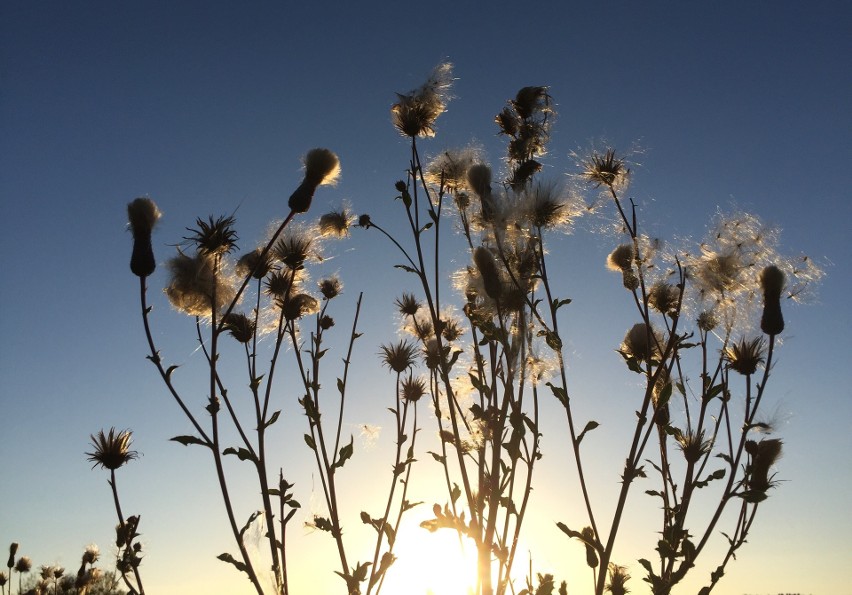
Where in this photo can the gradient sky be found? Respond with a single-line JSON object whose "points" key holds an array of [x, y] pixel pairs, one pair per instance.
{"points": [[208, 107]]}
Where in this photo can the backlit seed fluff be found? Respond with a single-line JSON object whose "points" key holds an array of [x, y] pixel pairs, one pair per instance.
{"points": [[252, 264], [330, 288], [336, 224], [321, 167], [663, 297], [479, 179], [142, 214], [620, 259], [24, 564], [772, 283], [414, 113], [91, 554]]}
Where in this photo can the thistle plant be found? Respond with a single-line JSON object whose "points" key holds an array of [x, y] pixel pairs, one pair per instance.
{"points": [[706, 323], [112, 451], [208, 282], [695, 314]]}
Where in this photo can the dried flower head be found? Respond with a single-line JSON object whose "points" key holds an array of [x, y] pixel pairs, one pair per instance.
{"points": [[407, 304], [414, 113], [214, 236], [336, 224], [618, 578], [293, 248], [640, 343], [764, 454], [321, 167], [279, 283], [413, 389], [399, 356], [24, 564], [745, 356], [297, 306], [663, 297], [693, 445], [330, 288], [112, 450], [255, 263], [195, 284], [364, 221], [707, 321], [4, 578], [605, 170], [240, 326]]}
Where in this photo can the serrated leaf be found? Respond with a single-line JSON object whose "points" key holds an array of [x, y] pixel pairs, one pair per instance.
{"points": [[250, 520], [455, 493], [559, 393], [345, 454], [187, 440], [310, 442], [340, 386], [226, 557], [425, 227], [717, 474], [440, 458], [664, 396], [589, 427], [242, 454]]}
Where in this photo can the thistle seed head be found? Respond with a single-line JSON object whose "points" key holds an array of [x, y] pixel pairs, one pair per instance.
{"points": [[336, 224], [414, 113], [142, 214]]}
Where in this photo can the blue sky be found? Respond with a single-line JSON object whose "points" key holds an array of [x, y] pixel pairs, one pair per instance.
{"points": [[207, 108]]}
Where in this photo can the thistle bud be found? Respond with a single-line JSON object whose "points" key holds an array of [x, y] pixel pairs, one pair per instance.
{"points": [[591, 556], [321, 167], [142, 215], [13, 549], [484, 261], [772, 283]]}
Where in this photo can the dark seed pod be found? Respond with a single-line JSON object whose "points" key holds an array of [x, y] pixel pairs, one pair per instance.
{"points": [[142, 262], [772, 282]]}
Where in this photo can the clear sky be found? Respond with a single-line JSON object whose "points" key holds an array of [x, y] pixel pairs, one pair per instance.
{"points": [[206, 107]]}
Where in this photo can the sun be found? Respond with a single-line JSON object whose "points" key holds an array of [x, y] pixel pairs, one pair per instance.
{"points": [[432, 564]]}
